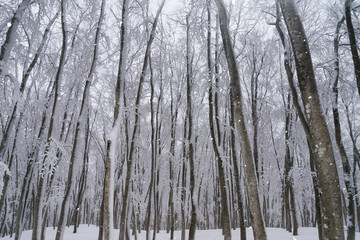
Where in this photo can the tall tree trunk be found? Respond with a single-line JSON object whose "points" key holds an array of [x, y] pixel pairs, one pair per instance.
{"points": [[136, 123], [249, 167], [174, 115], [153, 157], [83, 108], [183, 182], [190, 153], [226, 225], [112, 141], [344, 158], [290, 78], [57, 84], [287, 166], [324, 155]]}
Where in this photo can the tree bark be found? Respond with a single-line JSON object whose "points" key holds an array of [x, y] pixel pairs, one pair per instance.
{"points": [[290, 77], [249, 166], [189, 140], [226, 226], [236, 172], [324, 155]]}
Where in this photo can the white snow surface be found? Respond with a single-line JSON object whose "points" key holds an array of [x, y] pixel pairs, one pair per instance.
{"points": [[86, 232]]}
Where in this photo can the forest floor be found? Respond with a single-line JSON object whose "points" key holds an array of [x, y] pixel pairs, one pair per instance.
{"points": [[86, 232]]}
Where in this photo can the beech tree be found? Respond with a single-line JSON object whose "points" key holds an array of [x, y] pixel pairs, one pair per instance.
{"points": [[321, 142], [250, 175]]}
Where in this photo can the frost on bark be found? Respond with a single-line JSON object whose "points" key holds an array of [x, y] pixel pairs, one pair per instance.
{"points": [[83, 108], [11, 33], [249, 166], [125, 207], [37, 222], [107, 221], [324, 155]]}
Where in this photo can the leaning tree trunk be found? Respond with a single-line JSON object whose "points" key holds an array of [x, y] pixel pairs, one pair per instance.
{"points": [[224, 201], [290, 78], [249, 167], [321, 141]]}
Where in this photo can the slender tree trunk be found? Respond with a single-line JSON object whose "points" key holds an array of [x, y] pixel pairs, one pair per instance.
{"points": [[174, 114], [250, 173], [70, 179], [324, 155], [287, 167], [41, 186], [153, 156], [136, 123], [108, 198], [83, 177], [190, 153], [344, 158], [183, 182], [236, 172]]}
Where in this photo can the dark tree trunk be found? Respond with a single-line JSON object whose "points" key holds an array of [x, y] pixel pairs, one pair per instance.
{"points": [[189, 140]]}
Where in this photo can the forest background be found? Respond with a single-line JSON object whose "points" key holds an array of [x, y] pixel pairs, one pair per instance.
{"points": [[143, 115]]}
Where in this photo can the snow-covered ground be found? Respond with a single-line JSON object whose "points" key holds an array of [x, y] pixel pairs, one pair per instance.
{"points": [[91, 232]]}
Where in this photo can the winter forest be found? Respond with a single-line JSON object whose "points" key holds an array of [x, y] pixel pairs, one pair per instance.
{"points": [[141, 116]]}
